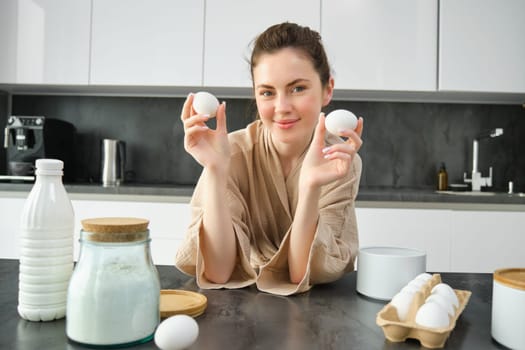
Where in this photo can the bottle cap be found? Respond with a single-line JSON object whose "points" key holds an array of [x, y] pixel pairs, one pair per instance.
{"points": [[49, 167]]}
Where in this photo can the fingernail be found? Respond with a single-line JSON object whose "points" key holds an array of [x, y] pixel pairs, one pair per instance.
{"points": [[326, 149]]}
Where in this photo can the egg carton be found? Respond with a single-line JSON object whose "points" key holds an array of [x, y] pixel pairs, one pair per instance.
{"points": [[398, 331]]}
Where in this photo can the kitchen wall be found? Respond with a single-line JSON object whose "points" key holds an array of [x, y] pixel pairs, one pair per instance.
{"points": [[404, 143]]}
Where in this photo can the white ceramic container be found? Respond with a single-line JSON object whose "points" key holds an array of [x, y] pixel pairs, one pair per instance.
{"points": [[508, 308], [383, 271]]}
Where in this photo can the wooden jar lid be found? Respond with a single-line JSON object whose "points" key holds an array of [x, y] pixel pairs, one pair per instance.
{"points": [[115, 229], [512, 277], [176, 302]]}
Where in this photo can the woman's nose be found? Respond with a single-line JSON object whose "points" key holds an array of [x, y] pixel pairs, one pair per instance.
{"points": [[282, 104]]}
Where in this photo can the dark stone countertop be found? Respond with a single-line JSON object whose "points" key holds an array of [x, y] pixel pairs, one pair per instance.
{"points": [[366, 194], [331, 316]]}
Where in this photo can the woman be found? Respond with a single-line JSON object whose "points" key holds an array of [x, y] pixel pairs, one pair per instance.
{"points": [[274, 205]]}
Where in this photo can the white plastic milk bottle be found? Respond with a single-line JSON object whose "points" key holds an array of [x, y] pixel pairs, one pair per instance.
{"points": [[46, 245]]}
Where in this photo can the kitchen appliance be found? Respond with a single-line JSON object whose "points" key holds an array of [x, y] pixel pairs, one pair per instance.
{"points": [[28, 138], [508, 307], [113, 162], [383, 271]]}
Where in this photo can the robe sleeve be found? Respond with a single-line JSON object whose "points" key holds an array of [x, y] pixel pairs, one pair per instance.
{"points": [[334, 247], [189, 257]]}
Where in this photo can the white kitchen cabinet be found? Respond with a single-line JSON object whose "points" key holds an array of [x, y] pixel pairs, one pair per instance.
{"points": [[44, 41], [481, 46], [231, 26], [10, 226], [156, 42], [168, 223], [486, 241], [381, 44], [428, 230]]}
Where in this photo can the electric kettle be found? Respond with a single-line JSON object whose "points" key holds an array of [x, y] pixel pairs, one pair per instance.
{"points": [[113, 162]]}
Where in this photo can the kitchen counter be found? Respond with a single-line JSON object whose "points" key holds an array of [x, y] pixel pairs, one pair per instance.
{"points": [[367, 197], [331, 316]]}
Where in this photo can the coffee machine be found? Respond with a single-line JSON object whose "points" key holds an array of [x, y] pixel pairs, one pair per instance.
{"points": [[28, 138]]}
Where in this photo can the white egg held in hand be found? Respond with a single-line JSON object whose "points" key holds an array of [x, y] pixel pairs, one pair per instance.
{"points": [[339, 120], [176, 333], [205, 103]]}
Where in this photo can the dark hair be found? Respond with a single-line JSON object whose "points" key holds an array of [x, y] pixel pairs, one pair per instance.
{"points": [[280, 36]]}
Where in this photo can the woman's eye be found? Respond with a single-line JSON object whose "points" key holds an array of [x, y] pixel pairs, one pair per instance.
{"points": [[266, 93], [298, 88]]}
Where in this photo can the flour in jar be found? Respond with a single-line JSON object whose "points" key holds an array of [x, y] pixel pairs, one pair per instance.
{"points": [[113, 302]]}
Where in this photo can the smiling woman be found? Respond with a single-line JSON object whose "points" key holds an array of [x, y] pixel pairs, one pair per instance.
{"points": [[274, 205]]}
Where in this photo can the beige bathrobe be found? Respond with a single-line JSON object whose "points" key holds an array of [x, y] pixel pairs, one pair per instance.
{"points": [[262, 204]]}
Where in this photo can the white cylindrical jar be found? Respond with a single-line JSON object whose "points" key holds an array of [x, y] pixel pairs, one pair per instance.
{"points": [[114, 293], [46, 245], [508, 308]]}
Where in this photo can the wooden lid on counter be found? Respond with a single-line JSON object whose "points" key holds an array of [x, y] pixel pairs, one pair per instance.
{"points": [[115, 229], [512, 277]]}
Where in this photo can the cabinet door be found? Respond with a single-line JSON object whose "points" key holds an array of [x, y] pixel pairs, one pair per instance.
{"points": [[486, 241], [44, 41], [231, 26], [424, 229], [381, 44], [156, 42], [10, 226], [167, 222], [481, 45]]}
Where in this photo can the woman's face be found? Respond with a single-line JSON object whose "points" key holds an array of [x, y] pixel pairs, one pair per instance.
{"points": [[289, 96]]}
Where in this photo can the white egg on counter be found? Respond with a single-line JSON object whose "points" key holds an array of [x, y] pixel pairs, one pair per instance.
{"points": [[176, 333], [446, 291], [416, 283], [443, 302], [425, 277], [432, 315], [402, 301], [205, 103], [340, 119]]}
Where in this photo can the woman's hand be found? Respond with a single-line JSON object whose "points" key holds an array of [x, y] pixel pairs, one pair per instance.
{"points": [[210, 148], [323, 165]]}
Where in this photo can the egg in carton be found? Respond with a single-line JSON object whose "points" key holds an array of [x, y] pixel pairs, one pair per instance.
{"points": [[421, 318]]}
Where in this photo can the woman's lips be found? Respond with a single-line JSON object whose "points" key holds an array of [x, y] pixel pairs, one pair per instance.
{"points": [[286, 123]]}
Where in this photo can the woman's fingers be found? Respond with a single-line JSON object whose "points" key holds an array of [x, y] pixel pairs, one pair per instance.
{"points": [[339, 150], [186, 107], [354, 136], [197, 119], [359, 128], [221, 118], [320, 130]]}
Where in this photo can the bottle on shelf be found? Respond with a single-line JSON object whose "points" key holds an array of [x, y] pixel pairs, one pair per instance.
{"points": [[442, 178], [46, 245]]}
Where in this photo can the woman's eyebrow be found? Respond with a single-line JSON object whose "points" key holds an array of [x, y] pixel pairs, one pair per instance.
{"points": [[300, 80], [293, 82]]}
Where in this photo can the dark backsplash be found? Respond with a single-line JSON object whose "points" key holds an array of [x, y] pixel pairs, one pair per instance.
{"points": [[404, 143]]}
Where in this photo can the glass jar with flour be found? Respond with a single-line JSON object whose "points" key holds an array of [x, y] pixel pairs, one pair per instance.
{"points": [[113, 296]]}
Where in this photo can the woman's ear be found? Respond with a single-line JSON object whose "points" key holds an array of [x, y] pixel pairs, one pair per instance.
{"points": [[328, 91]]}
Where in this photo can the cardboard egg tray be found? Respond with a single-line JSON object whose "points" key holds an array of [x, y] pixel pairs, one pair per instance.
{"points": [[397, 331]]}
